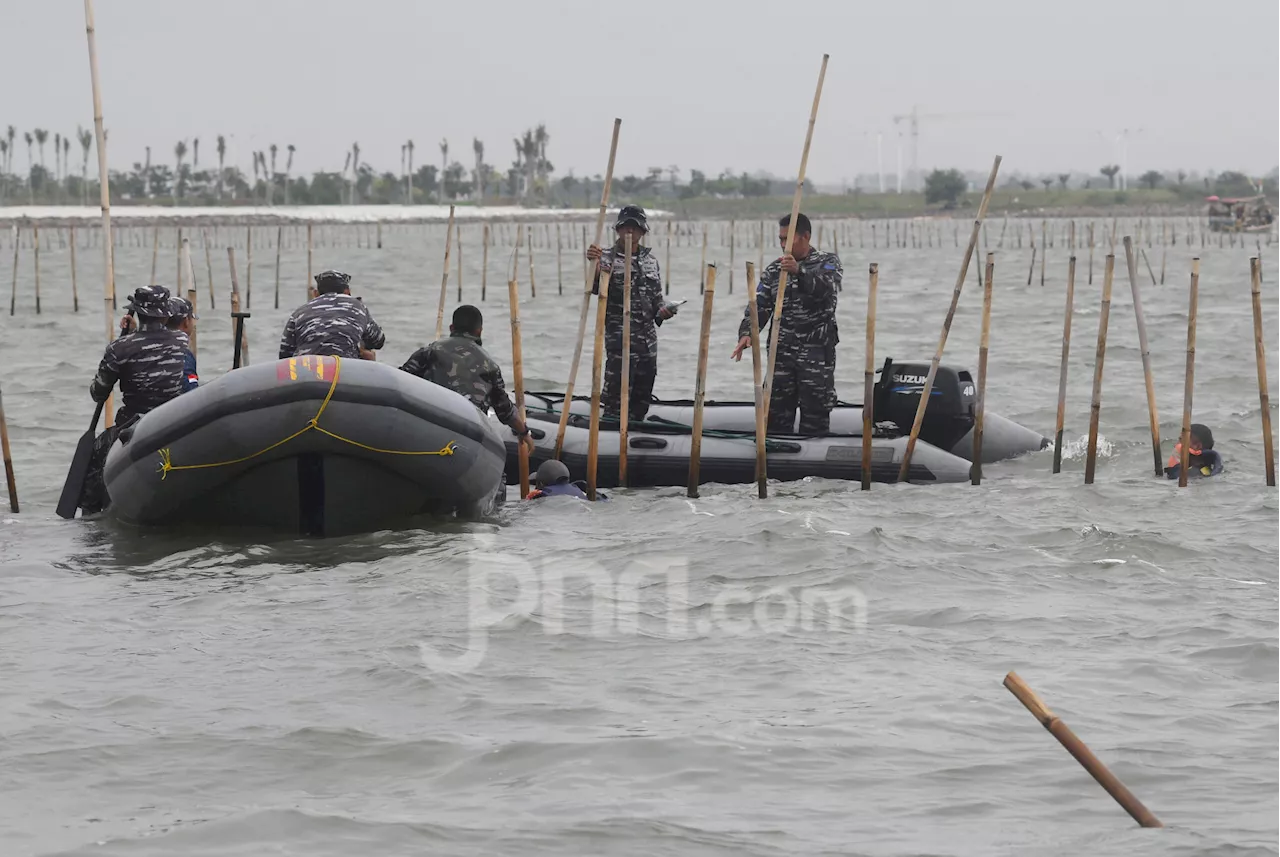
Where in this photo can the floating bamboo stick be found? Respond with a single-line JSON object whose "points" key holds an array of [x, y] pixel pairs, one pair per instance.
{"points": [[976, 470], [36, 230], [1095, 406], [75, 288], [1062, 372], [700, 383], [624, 406], [1190, 382], [444, 280], [589, 277], [279, 240], [235, 309], [775, 320], [8, 461], [1082, 753], [946, 325], [1131, 263], [762, 469], [517, 370], [869, 378], [104, 195], [1264, 394]]}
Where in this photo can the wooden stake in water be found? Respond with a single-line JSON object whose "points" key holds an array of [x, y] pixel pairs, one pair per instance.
{"points": [[458, 241], [1150, 272], [104, 195], [559, 264], [279, 240], [235, 309], [732, 241], [869, 378], [155, 252], [484, 262], [666, 288], [1264, 394], [757, 371], [1044, 252], [1031, 271], [36, 230], [184, 254], [13, 295], [597, 366], [444, 279], [975, 472], [1190, 382], [533, 284], [208, 264], [8, 461], [946, 325], [248, 269], [702, 266], [700, 383], [1146, 355], [75, 289], [624, 407], [1095, 406], [311, 284], [1062, 372], [517, 370]]}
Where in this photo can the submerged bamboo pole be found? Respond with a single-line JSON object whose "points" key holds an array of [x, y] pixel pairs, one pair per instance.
{"points": [[975, 472], [1264, 392], [624, 406], [1082, 753], [1062, 372], [104, 196], [753, 314], [869, 378], [1095, 406], [946, 325], [444, 279], [1131, 263], [1190, 383], [700, 383]]}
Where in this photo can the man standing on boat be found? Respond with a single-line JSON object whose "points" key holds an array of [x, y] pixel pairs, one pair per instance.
{"points": [[332, 324], [804, 374], [648, 310], [459, 363]]}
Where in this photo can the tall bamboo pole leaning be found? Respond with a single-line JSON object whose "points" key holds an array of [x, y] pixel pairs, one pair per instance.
{"points": [[775, 320], [975, 472], [1062, 372], [235, 308], [444, 279], [946, 325], [8, 461], [185, 256], [1095, 405], [279, 238], [1264, 393], [1190, 382], [104, 195], [869, 379], [589, 271], [75, 288], [517, 370], [700, 383], [1082, 753], [624, 406], [757, 371], [1132, 265], [36, 245]]}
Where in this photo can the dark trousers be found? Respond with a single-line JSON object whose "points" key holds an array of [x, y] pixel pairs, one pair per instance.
{"points": [[644, 371], [803, 378]]}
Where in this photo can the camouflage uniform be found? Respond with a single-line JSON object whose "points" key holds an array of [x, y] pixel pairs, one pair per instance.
{"points": [[804, 374], [460, 363], [333, 324], [646, 302]]}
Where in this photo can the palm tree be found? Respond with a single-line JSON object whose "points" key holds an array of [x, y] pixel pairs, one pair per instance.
{"points": [[444, 164], [346, 165], [66, 159], [478, 182], [519, 167], [541, 137], [179, 152], [271, 182], [355, 169], [146, 190], [57, 157], [10, 134], [195, 153], [409, 175], [255, 176], [530, 148], [86, 140], [222, 155], [41, 137], [31, 191], [288, 168], [1110, 172]]}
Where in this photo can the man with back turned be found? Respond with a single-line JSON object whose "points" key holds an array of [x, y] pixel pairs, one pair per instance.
{"points": [[332, 324], [804, 374]]}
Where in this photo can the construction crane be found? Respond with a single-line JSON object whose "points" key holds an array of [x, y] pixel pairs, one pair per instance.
{"points": [[915, 116]]}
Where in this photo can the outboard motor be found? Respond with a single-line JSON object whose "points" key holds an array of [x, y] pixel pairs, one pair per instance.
{"points": [[950, 414]]}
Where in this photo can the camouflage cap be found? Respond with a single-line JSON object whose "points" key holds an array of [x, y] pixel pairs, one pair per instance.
{"points": [[181, 308], [633, 215], [150, 302], [332, 281]]}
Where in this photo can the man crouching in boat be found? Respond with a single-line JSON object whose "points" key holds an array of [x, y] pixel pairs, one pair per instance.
{"points": [[1202, 459], [460, 363], [552, 480], [332, 324]]}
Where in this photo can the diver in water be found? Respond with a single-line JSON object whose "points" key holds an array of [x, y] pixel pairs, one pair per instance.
{"points": [[1202, 460], [552, 480]]}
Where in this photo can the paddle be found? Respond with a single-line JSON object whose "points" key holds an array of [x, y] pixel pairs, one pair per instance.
{"points": [[70, 499]]}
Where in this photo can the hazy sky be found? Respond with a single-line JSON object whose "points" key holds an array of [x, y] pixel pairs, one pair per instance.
{"points": [[697, 83]]}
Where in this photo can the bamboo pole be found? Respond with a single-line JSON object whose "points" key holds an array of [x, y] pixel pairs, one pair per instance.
{"points": [[869, 378], [1062, 372], [517, 370], [1082, 753], [1190, 382], [1044, 252], [208, 264], [700, 383], [75, 288], [775, 321], [946, 325], [248, 267], [484, 262], [1031, 271], [235, 308], [589, 276], [1095, 406], [1264, 393], [975, 472], [17, 245], [533, 284], [624, 405], [36, 232], [155, 252], [702, 266], [667, 270], [459, 268], [1131, 263], [753, 313], [311, 286], [279, 239], [559, 263], [1164, 252], [177, 258], [104, 196], [8, 461], [444, 279], [597, 365], [184, 255], [732, 242], [1091, 254]]}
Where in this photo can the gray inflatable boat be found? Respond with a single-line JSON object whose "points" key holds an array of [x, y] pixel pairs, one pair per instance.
{"points": [[313, 445]]}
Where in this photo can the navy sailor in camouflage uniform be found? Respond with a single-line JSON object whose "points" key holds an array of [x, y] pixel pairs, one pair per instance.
{"points": [[332, 324], [459, 363], [804, 374], [648, 310], [150, 366]]}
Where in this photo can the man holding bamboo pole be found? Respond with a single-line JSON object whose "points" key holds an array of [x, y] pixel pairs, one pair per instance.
{"points": [[648, 310], [805, 368]]}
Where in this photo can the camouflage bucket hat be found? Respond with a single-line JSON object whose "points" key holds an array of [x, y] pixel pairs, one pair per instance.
{"points": [[150, 302], [181, 308]]}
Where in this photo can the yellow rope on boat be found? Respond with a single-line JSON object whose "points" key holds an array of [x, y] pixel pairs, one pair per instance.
{"points": [[167, 465]]}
